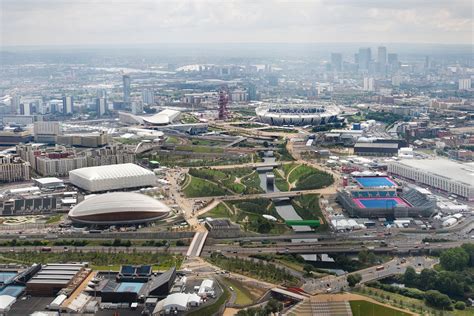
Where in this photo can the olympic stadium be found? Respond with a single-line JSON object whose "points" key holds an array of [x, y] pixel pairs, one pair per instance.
{"points": [[118, 208], [298, 114]]}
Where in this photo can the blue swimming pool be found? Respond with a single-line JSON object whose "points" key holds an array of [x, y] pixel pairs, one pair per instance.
{"points": [[373, 182], [6, 276], [133, 287], [380, 203], [12, 290]]}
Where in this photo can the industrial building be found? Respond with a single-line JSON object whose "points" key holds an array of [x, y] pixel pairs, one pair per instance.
{"points": [[441, 174], [112, 177], [91, 140], [377, 147], [118, 208], [53, 278], [49, 183], [298, 114]]}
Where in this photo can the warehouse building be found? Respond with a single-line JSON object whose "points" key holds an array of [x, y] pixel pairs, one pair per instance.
{"points": [[441, 174], [112, 177], [53, 278]]}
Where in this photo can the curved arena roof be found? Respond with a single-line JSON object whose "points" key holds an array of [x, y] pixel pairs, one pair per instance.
{"points": [[297, 113], [118, 208], [112, 177]]}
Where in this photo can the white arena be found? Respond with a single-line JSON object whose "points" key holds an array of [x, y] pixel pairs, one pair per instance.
{"points": [[297, 114], [112, 177], [118, 208]]}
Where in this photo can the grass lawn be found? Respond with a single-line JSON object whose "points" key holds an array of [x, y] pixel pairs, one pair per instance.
{"points": [[409, 302], [199, 149], [304, 177], [365, 308], [248, 213], [199, 187], [243, 295], [160, 261], [307, 206], [280, 183], [172, 140], [220, 211], [54, 219], [235, 181]]}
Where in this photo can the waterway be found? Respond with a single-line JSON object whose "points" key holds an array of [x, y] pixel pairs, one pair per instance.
{"points": [[283, 206]]}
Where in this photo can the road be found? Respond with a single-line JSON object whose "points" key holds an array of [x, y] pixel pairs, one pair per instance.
{"points": [[333, 284]]}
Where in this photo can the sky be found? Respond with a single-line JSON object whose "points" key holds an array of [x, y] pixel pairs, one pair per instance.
{"points": [[105, 22]]}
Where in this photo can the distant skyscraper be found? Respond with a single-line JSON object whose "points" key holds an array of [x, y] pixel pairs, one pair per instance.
{"points": [[465, 84], [15, 104], [252, 92], [126, 88], [392, 59], [148, 96], [101, 106], [369, 84], [137, 107], [26, 109], [365, 57], [68, 105], [382, 58], [336, 61]]}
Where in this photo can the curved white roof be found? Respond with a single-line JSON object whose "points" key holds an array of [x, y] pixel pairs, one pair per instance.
{"points": [[118, 202], [112, 177], [111, 171], [162, 118]]}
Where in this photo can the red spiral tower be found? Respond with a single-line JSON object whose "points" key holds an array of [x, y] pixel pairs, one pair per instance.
{"points": [[222, 102]]}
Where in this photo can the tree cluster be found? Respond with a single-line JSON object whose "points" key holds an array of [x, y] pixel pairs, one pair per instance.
{"points": [[261, 270]]}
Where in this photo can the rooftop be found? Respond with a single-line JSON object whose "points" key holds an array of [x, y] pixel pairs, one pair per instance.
{"points": [[444, 168]]}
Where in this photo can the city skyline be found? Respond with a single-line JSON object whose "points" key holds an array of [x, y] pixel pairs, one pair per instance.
{"points": [[116, 22]]}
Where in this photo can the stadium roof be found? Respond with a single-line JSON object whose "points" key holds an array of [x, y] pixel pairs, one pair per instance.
{"points": [[118, 202], [111, 171], [443, 167]]}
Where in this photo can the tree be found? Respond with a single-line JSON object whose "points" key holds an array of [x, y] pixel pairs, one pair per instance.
{"points": [[410, 278], [469, 248], [460, 305], [454, 259], [353, 279], [307, 268], [436, 299]]}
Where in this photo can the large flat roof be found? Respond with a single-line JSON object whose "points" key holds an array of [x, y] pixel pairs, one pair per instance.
{"points": [[444, 168]]}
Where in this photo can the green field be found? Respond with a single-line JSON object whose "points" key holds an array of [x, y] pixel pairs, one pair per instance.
{"points": [[301, 177], [209, 182], [199, 149], [220, 211], [248, 214], [280, 182], [365, 308], [307, 207], [198, 187], [243, 295], [160, 261]]}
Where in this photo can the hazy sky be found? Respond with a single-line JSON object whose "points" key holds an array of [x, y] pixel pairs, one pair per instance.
{"points": [[74, 22]]}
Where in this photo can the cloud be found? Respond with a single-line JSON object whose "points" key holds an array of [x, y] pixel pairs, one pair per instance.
{"points": [[73, 22]]}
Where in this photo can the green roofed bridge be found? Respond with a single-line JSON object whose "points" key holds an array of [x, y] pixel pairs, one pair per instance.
{"points": [[310, 223]]}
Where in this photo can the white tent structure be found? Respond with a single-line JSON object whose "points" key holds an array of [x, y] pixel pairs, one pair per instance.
{"points": [[6, 302]]}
